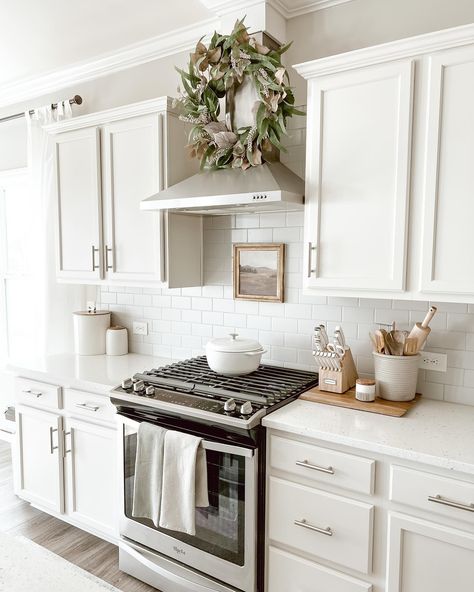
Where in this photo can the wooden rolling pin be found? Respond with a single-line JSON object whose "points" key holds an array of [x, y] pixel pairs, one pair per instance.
{"points": [[421, 331]]}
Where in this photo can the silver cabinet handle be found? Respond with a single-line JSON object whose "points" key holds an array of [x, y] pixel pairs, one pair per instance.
{"points": [[107, 265], [66, 450], [88, 406], [310, 259], [94, 250], [307, 465], [52, 448], [327, 531], [36, 394], [438, 499]]}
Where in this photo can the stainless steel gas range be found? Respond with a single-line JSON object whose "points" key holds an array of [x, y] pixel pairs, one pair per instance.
{"points": [[227, 552]]}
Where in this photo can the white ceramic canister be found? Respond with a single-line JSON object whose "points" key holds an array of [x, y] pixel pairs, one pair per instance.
{"points": [[89, 332], [232, 355], [116, 341], [396, 376], [365, 390]]}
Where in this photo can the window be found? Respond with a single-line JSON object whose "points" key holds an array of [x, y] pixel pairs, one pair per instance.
{"points": [[17, 250]]}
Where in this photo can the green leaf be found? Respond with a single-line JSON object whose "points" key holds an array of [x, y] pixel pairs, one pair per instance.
{"points": [[275, 141]]}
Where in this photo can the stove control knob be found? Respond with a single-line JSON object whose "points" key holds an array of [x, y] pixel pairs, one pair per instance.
{"points": [[139, 386], [127, 383], [230, 405], [150, 391], [246, 408]]}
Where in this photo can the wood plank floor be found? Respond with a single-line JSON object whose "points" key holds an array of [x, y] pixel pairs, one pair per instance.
{"points": [[81, 548]]}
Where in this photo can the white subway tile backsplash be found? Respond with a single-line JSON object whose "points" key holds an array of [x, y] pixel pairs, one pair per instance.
{"points": [[181, 321], [325, 312]]}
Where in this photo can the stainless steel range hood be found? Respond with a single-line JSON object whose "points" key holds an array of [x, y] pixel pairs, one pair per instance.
{"points": [[270, 187]]}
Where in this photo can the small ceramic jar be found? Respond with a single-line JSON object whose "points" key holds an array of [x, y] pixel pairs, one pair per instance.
{"points": [[365, 389]]}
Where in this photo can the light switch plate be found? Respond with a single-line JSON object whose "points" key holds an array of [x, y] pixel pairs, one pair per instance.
{"points": [[140, 328], [433, 361]]}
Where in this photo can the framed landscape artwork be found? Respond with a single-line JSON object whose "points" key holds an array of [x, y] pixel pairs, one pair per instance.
{"points": [[258, 271]]}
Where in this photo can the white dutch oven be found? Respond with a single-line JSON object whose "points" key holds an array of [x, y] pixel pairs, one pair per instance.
{"points": [[232, 355]]}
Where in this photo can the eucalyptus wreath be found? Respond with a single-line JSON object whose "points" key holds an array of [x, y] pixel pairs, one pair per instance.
{"points": [[221, 67]]}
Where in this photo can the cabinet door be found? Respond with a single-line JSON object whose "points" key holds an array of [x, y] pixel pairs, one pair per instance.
{"points": [[77, 160], [427, 556], [448, 240], [90, 475], [358, 161], [132, 171], [38, 458]]}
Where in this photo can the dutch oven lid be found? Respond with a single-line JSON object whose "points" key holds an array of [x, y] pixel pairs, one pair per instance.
{"points": [[234, 344]]}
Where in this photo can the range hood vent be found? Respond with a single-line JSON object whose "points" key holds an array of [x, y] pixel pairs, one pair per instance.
{"points": [[270, 187]]}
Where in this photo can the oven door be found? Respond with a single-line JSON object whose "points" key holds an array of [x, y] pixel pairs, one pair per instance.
{"points": [[224, 546]]}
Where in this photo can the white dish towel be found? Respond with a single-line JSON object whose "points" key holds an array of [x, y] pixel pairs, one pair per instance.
{"points": [[148, 472], [184, 482]]}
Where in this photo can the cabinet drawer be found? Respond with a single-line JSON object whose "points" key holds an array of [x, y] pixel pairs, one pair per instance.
{"points": [[322, 465], [441, 495], [287, 572], [84, 404], [37, 394], [320, 523]]}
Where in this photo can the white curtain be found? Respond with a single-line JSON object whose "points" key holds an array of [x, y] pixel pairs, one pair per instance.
{"points": [[53, 302]]}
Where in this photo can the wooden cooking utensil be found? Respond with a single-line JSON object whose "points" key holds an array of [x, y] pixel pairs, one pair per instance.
{"points": [[411, 347], [396, 342], [380, 339], [421, 331], [374, 342]]}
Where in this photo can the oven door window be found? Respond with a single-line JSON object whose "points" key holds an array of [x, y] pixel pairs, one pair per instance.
{"points": [[220, 527]]}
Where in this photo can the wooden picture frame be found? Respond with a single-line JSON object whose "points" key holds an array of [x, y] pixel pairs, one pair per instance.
{"points": [[258, 271]]}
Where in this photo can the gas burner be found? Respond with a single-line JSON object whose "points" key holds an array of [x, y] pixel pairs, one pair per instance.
{"points": [[194, 389]]}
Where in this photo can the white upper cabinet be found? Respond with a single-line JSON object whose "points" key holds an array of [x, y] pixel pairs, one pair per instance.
{"points": [[77, 158], [106, 164], [131, 165], [448, 241], [358, 177], [390, 178]]}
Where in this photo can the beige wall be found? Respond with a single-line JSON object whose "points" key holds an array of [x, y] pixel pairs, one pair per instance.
{"points": [[362, 23], [344, 27]]}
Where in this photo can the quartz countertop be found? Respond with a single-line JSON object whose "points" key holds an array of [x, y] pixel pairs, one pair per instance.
{"points": [[95, 373], [432, 432]]}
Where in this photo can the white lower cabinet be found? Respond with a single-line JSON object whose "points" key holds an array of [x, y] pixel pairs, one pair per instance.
{"points": [[426, 556], [38, 458], [90, 475], [65, 465], [411, 531]]}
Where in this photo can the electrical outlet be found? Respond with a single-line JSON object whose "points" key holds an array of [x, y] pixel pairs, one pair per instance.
{"points": [[432, 361], [140, 328]]}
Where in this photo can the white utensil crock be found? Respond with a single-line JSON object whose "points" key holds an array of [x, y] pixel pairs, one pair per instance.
{"points": [[396, 376], [89, 332], [232, 356], [116, 341]]}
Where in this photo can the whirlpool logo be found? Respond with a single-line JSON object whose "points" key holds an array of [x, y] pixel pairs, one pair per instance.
{"points": [[178, 550]]}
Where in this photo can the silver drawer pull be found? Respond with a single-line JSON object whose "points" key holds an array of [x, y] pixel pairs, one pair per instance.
{"points": [[438, 499], [36, 394], [327, 531], [66, 450], [307, 465], [88, 406]]}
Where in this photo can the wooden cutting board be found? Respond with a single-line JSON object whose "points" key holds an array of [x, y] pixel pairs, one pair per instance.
{"points": [[348, 400]]}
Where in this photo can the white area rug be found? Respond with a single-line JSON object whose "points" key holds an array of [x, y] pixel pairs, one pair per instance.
{"points": [[28, 567]]}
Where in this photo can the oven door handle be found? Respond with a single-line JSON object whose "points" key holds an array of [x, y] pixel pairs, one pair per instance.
{"points": [[206, 444]]}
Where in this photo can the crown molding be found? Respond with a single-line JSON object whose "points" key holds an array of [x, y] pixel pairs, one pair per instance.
{"points": [[290, 9], [386, 52], [287, 8], [130, 56], [158, 105]]}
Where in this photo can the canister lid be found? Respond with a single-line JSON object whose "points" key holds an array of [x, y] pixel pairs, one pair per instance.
{"points": [[87, 313], [366, 381]]}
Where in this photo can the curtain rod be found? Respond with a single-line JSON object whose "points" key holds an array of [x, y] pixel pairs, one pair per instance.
{"points": [[76, 100]]}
